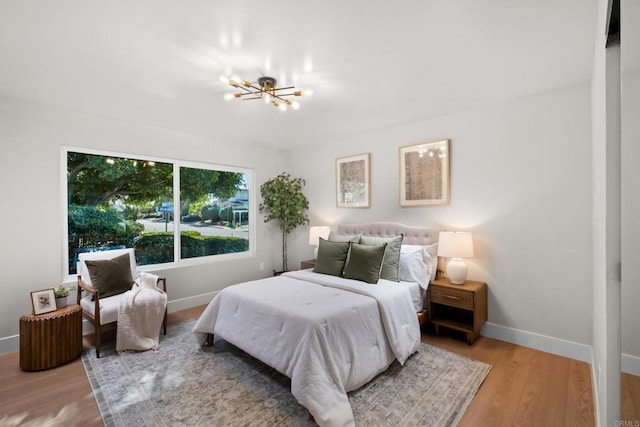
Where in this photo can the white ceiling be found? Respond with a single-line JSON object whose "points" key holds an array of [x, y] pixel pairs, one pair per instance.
{"points": [[371, 64]]}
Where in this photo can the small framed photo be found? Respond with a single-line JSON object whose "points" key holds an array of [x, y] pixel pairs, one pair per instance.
{"points": [[353, 181], [43, 301], [424, 174]]}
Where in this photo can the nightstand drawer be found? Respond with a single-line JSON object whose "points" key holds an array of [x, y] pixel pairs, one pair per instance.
{"points": [[451, 297]]}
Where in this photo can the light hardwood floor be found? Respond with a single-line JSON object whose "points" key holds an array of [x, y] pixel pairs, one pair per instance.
{"points": [[525, 387]]}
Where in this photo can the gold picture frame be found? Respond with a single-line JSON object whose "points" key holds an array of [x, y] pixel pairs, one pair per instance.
{"points": [[424, 174], [353, 181], [43, 301]]}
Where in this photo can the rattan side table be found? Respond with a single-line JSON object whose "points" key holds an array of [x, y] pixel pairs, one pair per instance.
{"points": [[51, 339]]}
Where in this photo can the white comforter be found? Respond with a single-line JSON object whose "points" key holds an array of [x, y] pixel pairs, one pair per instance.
{"points": [[329, 335]]}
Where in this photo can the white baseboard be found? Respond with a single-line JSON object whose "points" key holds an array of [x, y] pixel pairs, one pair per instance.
{"points": [[540, 342], [9, 344], [12, 343], [194, 301], [630, 364]]}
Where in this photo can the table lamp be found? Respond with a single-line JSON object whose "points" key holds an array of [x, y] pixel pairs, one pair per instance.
{"points": [[456, 245], [315, 233]]}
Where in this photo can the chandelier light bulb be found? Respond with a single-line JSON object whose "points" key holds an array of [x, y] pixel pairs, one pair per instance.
{"points": [[282, 107], [224, 79], [228, 96], [295, 105]]}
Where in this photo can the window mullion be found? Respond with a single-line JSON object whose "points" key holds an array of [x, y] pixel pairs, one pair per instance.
{"points": [[177, 244]]}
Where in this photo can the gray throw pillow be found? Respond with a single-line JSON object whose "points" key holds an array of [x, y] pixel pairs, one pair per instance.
{"points": [[331, 257], [365, 262], [391, 262], [110, 276], [334, 237]]}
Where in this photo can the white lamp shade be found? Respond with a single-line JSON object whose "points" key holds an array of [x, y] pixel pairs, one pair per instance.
{"points": [[455, 244], [316, 232]]}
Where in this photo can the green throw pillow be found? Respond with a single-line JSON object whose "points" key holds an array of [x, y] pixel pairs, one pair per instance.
{"points": [[331, 257], [110, 276], [365, 262], [391, 261]]}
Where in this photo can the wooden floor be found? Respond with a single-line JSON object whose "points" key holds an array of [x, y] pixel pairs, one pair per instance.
{"points": [[525, 387]]}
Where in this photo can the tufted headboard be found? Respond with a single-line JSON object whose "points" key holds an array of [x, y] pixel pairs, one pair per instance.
{"points": [[413, 235]]}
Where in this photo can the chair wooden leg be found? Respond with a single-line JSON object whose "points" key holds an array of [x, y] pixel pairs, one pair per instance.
{"points": [[209, 340], [96, 339], [164, 322]]}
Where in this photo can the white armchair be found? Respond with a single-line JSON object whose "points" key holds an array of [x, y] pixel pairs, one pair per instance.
{"points": [[102, 311]]}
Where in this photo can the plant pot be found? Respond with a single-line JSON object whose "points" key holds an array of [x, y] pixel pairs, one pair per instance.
{"points": [[61, 302]]}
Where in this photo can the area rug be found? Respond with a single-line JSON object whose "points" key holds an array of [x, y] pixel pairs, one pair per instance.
{"points": [[186, 384]]}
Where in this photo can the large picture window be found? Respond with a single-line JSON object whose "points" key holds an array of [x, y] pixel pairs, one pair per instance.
{"points": [[115, 201]]}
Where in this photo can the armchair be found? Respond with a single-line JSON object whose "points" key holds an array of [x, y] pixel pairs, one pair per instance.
{"points": [[102, 310]]}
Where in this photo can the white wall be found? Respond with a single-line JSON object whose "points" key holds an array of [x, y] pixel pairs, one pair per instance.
{"points": [[520, 181], [31, 217], [605, 100], [630, 220]]}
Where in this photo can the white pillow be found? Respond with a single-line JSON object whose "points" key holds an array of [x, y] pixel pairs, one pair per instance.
{"points": [[412, 265], [432, 260], [429, 254]]}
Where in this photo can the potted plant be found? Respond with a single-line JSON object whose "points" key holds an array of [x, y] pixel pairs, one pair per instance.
{"points": [[61, 293], [283, 201]]}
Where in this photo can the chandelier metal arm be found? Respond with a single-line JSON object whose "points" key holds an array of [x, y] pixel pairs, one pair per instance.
{"points": [[272, 91], [278, 97]]}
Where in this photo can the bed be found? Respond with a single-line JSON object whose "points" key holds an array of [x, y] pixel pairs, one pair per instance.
{"points": [[328, 333]]}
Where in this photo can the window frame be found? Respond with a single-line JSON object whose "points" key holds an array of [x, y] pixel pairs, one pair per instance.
{"points": [[177, 164]]}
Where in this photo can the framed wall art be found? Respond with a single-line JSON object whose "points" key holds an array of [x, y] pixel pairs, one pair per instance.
{"points": [[353, 181], [43, 301], [424, 174]]}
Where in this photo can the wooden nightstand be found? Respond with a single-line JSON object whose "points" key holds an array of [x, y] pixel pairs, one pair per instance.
{"points": [[460, 307], [310, 263]]}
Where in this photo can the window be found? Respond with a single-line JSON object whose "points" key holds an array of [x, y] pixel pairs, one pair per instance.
{"points": [[114, 201]]}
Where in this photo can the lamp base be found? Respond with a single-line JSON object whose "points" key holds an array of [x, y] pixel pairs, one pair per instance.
{"points": [[457, 271]]}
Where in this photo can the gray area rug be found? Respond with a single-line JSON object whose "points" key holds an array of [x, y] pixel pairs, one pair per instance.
{"points": [[186, 384]]}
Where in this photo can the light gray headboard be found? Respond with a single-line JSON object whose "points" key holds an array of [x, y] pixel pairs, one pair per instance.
{"points": [[413, 235]]}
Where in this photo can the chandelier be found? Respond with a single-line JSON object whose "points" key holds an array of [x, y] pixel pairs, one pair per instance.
{"points": [[266, 89]]}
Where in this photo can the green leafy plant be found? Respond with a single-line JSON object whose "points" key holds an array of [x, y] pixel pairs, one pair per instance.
{"points": [[63, 291], [283, 201]]}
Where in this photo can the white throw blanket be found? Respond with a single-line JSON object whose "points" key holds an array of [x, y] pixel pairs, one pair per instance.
{"points": [[140, 315]]}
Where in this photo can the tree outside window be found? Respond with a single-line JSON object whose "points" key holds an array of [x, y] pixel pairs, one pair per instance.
{"points": [[116, 202]]}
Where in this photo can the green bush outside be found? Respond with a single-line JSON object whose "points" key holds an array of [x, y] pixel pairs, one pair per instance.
{"points": [[157, 247], [91, 228], [154, 248]]}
